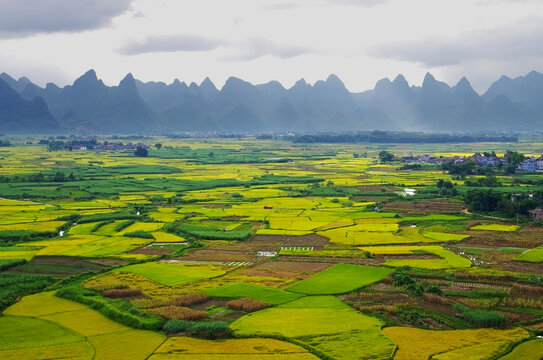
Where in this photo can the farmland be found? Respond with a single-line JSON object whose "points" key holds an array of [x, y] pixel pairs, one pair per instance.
{"points": [[259, 249]]}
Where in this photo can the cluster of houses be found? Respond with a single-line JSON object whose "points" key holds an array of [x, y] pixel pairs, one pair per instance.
{"points": [[531, 164], [110, 146]]}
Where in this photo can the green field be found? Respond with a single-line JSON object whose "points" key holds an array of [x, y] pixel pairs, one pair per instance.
{"points": [[534, 255], [240, 290], [339, 279], [174, 274]]}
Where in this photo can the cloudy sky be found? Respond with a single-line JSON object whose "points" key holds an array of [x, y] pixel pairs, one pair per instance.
{"points": [[361, 41]]}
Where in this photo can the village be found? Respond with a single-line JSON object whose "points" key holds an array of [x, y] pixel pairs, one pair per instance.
{"points": [[529, 164]]}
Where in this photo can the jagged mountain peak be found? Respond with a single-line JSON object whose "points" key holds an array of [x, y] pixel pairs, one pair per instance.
{"points": [[428, 79], [128, 84], [400, 81], [333, 79], [383, 84]]}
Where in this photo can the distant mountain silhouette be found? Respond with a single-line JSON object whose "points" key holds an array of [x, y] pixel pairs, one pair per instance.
{"points": [[18, 115], [239, 106]]}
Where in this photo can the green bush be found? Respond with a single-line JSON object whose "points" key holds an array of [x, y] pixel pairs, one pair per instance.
{"points": [[100, 224], [206, 329], [123, 225], [106, 217], [116, 310], [15, 286], [204, 232], [482, 318], [23, 235], [8, 264], [139, 234]]}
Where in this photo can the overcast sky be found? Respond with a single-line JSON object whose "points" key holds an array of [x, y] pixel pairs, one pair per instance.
{"points": [[361, 41]]}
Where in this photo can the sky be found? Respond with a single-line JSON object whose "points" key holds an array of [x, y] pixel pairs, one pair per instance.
{"points": [[361, 41]]}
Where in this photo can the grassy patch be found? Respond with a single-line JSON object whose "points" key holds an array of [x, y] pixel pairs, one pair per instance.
{"points": [[171, 274], [261, 293], [534, 255], [339, 279]]}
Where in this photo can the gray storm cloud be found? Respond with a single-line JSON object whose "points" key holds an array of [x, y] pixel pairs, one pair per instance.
{"points": [[506, 43], [21, 18]]}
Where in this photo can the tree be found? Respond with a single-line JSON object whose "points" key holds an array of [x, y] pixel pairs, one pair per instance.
{"points": [[158, 146], [141, 151], [59, 177], [514, 158], [446, 188], [386, 156]]}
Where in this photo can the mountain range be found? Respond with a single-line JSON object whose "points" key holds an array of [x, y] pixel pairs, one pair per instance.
{"points": [[90, 106]]}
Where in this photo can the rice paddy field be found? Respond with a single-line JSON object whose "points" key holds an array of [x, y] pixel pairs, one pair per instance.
{"points": [[266, 249]]}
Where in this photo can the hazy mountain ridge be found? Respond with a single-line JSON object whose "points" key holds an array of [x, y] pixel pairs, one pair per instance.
{"points": [[136, 106]]}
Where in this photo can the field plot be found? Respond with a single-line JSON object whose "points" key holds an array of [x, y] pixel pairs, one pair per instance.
{"points": [[480, 344], [318, 321], [240, 290], [339, 279], [56, 328], [529, 350], [292, 321], [90, 246], [170, 274], [258, 349], [534, 255], [495, 227], [448, 259]]}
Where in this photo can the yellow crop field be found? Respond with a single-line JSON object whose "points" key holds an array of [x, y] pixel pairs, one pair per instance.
{"points": [[100, 338], [300, 223], [161, 236], [282, 232], [186, 345], [140, 226], [495, 227], [421, 344]]}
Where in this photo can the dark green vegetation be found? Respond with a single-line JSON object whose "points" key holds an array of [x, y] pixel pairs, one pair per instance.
{"points": [[209, 330], [15, 286]]}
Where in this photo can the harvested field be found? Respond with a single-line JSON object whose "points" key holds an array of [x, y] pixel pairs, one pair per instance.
{"points": [[58, 266], [425, 207], [218, 255], [297, 266]]}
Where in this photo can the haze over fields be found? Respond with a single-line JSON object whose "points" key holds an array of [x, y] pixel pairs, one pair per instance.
{"points": [[89, 105]]}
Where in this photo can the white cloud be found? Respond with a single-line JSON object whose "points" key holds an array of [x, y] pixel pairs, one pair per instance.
{"points": [[171, 43]]}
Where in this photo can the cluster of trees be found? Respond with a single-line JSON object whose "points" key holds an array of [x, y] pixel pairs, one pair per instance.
{"points": [[489, 200], [57, 145], [142, 151], [446, 188], [487, 181], [4, 143], [386, 156], [59, 176], [400, 137]]}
